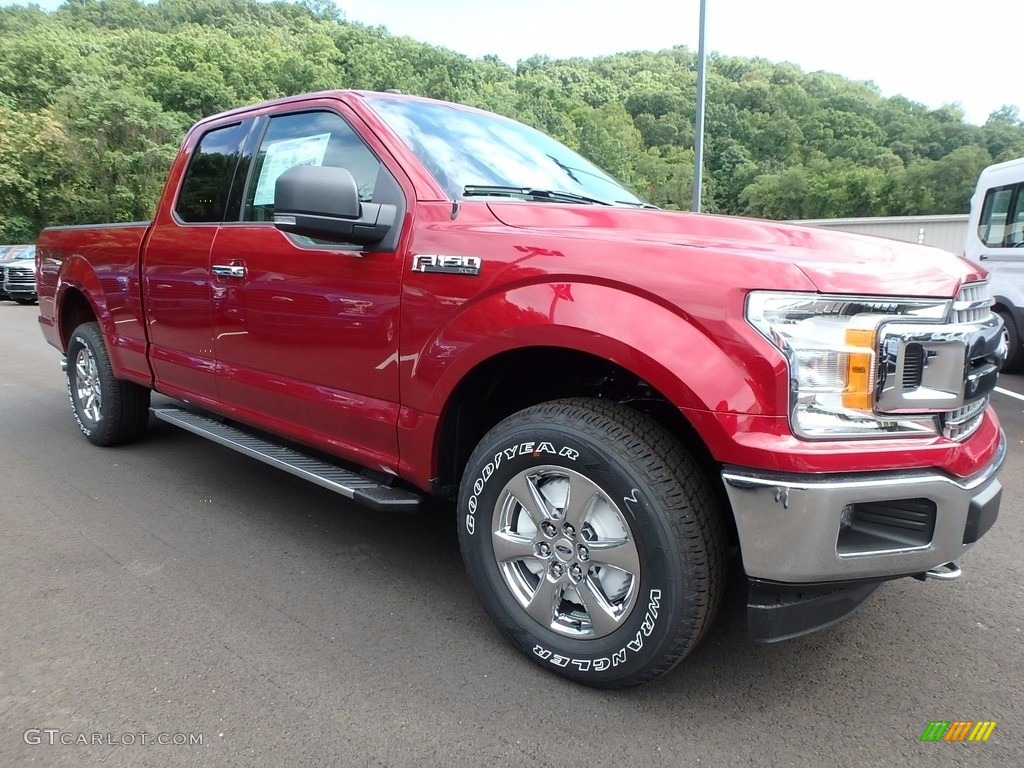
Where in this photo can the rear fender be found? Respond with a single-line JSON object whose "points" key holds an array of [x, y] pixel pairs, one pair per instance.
{"points": [[77, 274], [109, 301]]}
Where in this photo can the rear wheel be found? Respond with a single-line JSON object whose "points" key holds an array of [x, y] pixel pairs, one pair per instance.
{"points": [[108, 411], [1011, 337], [594, 540]]}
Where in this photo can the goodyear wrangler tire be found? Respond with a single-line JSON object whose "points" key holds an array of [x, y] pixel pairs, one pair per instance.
{"points": [[593, 539], [108, 411]]}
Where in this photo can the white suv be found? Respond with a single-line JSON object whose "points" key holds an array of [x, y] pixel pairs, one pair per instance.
{"points": [[995, 241]]}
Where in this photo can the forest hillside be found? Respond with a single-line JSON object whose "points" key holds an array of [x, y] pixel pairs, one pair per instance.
{"points": [[96, 96]]}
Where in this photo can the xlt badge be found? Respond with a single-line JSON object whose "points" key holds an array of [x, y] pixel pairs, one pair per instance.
{"points": [[449, 265]]}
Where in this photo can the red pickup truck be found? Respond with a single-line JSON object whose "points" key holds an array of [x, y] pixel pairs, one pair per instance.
{"points": [[396, 298]]}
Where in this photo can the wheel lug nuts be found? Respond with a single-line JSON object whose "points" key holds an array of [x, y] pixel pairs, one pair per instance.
{"points": [[568, 530], [543, 549], [557, 570], [584, 553], [575, 572], [548, 528]]}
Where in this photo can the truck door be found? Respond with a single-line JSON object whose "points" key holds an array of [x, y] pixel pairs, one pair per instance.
{"points": [[177, 284], [307, 332]]}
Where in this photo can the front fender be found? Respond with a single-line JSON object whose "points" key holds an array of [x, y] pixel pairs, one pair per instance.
{"points": [[704, 364]]}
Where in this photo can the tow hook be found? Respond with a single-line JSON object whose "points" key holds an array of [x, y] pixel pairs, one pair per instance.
{"points": [[946, 572]]}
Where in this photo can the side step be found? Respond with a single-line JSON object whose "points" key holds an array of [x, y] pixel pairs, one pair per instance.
{"points": [[349, 484]]}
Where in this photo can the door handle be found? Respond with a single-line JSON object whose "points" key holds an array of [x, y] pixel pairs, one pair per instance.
{"points": [[228, 270]]}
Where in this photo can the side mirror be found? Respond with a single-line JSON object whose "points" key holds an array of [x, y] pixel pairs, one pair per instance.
{"points": [[322, 202]]}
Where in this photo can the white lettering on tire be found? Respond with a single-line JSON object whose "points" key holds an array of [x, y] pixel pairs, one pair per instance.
{"points": [[523, 449], [619, 656]]}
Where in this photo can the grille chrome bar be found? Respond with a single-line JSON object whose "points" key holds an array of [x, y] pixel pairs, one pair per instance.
{"points": [[973, 303], [961, 423], [945, 369]]}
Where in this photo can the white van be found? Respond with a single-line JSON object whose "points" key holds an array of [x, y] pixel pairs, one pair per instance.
{"points": [[995, 240]]}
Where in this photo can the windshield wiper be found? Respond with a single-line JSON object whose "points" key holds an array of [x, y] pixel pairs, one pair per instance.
{"points": [[479, 190], [571, 173], [645, 206]]}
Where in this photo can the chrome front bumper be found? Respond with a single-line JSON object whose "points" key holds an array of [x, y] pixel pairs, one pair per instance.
{"points": [[806, 528]]}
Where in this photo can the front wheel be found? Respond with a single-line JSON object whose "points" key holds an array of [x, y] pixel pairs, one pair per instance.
{"points": [[593, 539], [109, 411]]}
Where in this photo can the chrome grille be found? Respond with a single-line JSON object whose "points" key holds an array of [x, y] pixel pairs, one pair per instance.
{"points": [[913, 366], [961, 423], [21, 276], [940, 372], [973, 303]]}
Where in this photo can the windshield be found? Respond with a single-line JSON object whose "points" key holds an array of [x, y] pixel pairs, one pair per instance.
{"points": [[17, 252], [462, 148]]}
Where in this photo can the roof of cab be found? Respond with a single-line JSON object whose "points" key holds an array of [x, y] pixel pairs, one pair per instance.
{"points": [[336, 93]]}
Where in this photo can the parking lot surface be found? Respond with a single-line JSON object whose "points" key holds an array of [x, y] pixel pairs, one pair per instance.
{"points": [[174, 591]]}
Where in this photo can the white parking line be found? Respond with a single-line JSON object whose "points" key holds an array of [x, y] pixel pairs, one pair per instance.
{"points": [[1008, 393]]}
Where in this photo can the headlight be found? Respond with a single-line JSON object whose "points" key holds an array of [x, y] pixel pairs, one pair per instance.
{"points": [[831, 344]]}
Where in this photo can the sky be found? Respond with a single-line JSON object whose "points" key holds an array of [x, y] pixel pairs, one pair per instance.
{"points": [[929, 51]]}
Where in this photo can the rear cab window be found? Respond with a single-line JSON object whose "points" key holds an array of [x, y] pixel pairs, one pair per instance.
{"points": [[206, 189]]}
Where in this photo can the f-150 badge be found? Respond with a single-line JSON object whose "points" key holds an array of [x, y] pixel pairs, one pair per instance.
{"points": [[449, 265]]}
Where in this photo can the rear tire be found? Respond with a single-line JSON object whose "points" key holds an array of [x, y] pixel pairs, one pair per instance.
{"points": [[593, 539], [108, 411], [1014, 353]]}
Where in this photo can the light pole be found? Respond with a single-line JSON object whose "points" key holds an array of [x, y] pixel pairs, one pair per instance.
{"points": [[698, 142]]}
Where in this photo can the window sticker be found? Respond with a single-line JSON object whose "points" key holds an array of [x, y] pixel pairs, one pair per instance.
{"points": [[285, 154]]}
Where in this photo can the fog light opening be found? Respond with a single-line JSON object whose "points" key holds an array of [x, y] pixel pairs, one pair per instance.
{"points": [[846, 518]]}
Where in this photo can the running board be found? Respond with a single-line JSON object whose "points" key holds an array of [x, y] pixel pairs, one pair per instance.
{"points": [[349, 484]]}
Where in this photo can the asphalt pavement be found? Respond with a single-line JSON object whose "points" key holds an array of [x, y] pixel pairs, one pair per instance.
{"points": [[172, 603]]}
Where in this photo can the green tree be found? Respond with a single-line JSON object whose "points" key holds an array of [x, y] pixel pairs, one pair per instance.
{"points": [[96, 97], [777, 196], [121, 144], [34, 167]]}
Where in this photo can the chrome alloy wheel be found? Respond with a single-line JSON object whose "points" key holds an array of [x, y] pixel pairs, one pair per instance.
{"points": [[87, 385], [565, 552]]}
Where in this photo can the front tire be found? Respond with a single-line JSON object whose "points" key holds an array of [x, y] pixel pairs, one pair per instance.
{"points": [[593, 539], [109, 411]]}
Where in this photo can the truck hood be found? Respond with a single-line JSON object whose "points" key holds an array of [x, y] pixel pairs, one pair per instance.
{"points": [[835, 262]]}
